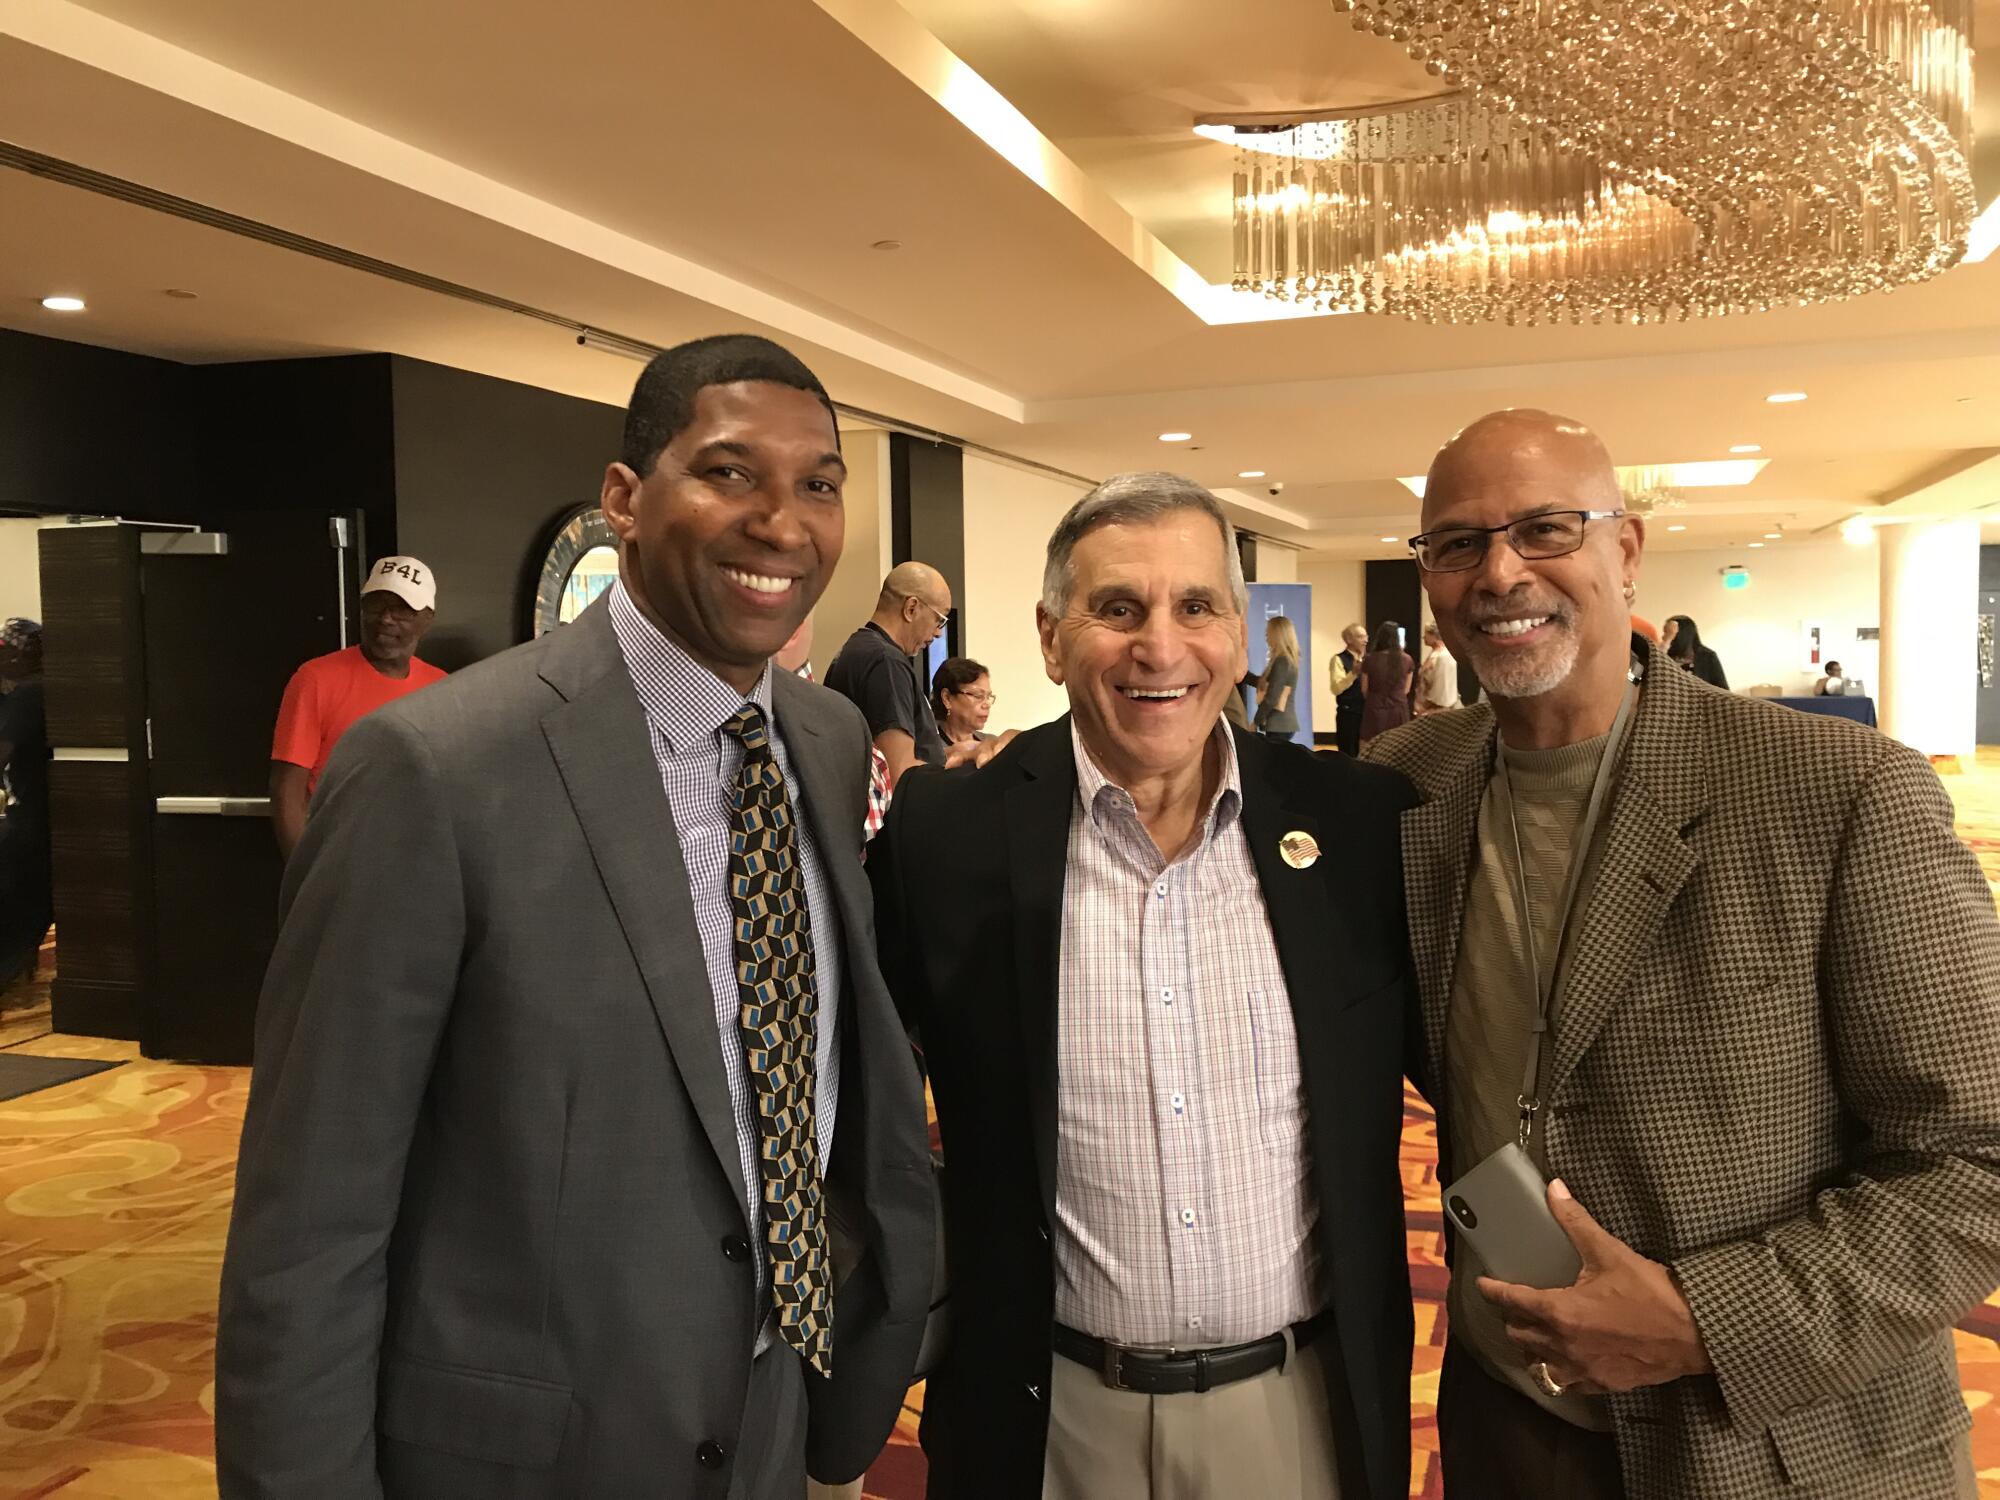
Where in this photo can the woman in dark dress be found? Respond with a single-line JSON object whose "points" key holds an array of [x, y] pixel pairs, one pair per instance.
{"points": [[25, 879], [1385, 682], [1683, 643]]}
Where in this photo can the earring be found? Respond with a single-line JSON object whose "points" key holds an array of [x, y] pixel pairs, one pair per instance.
{"points": [[1631, 590]]}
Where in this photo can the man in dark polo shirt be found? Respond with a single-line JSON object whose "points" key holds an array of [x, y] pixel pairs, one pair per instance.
{"points": [[875, 671]]}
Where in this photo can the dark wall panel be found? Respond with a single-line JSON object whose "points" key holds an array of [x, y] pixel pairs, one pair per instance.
{"points": [[310, 434], [927, 515], [89, 431], [1390, 591], [94, 666], [101, 883], [484, 468]]}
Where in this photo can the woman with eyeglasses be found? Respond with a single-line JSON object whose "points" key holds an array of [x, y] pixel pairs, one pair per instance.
{"points": [[962, 698]]}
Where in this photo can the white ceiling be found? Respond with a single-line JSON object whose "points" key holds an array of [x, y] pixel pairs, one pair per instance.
{"points": [[671, 169]]}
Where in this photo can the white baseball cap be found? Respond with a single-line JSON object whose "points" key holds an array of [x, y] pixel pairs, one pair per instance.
{"points": [[408, 578]]}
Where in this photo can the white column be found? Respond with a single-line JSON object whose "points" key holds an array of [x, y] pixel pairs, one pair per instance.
{"points": [[1930, 649]]}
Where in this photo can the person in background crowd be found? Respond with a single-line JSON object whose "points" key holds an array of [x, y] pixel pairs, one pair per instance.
{"points": [[1160, 973], [1276, 714], [1832, 684], [1683, 643], [795, 656], [876, 670], [1386, 674], [1748, 1026], [1344, 680], [328, 693], [574, 1052], [962, 700], [26, 879], [1437, 678]]}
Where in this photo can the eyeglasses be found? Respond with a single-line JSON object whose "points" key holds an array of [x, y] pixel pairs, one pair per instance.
{"points": [[943, 615], [987, 699], [1551, 533]]}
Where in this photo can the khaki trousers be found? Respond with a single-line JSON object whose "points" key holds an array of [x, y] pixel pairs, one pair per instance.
{"points": [[1270, 1436]]}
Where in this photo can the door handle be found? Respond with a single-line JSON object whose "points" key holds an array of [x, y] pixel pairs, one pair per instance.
{"points": [[215, 807]]}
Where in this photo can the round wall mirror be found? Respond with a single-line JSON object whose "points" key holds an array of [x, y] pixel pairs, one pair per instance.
{"points": [[578, 564]]}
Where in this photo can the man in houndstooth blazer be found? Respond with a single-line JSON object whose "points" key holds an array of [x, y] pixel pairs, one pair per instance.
{"points": [[1772, 1085]]}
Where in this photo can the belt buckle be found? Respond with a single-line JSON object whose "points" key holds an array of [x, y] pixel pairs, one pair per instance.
{"points": [[1114, 1378]]}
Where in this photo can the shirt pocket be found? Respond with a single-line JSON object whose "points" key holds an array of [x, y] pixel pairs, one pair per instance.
{"points": [[1274, 1061]]}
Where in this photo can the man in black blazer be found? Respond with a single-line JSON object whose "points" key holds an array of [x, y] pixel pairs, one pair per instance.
{"points": [[510, 1223], [1159, 972]]}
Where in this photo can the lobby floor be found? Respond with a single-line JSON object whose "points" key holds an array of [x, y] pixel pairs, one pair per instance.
{"points": [[114, 1201]]}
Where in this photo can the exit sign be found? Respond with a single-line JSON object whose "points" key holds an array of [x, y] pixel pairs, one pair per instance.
{"points": [[1736, 578]]}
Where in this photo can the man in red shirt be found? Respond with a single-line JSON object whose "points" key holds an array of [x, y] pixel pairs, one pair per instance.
{"points": [[328, 693]]}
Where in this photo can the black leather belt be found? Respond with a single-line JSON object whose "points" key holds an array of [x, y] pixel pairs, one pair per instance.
{"points": [[1177, 1372]]}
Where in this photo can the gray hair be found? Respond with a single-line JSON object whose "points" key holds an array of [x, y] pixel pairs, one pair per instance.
{"points": [[1134, 500]]}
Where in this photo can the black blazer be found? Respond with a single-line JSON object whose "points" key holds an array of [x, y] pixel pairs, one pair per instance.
{"points": [[968, 875]]}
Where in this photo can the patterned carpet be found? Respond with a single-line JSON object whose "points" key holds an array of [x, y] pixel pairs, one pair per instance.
{"points": [[114, 1200]]}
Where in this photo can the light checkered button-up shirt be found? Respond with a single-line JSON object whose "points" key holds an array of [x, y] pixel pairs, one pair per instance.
{"points": [[686, 706], [1184, 1210]]}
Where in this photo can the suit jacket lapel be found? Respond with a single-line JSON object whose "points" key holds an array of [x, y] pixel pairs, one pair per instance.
{"points": [[1644, 860], [604, 754], [1309, 928], [1038, 818], [1440, 837]]}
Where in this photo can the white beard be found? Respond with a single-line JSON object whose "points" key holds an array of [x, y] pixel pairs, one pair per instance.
{"points": [[1526, 674]]}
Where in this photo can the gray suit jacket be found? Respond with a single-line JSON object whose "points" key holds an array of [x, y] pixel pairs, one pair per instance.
{"points": [[1777, 1070], [489, 1227]]}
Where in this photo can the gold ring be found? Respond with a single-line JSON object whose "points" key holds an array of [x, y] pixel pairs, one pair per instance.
{"points": [[1545, 1380]]}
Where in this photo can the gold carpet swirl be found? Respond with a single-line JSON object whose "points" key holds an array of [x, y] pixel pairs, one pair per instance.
{"points": [[114, 1201]]}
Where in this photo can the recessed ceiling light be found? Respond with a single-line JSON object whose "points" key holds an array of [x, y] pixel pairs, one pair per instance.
{"points": [[1746, 448], [1175, 437], [63, 304], [1388, 539], [1677, 527], [182, 294], [1756, 544], [1774, 536], [1249, 473], [1785, 398]]}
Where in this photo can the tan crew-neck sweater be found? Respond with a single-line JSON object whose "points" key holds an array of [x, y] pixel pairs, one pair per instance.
{"points": [[1493, 1007]]}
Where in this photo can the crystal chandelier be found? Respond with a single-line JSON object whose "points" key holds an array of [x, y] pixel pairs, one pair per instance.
{"points": [[1632, 161]]}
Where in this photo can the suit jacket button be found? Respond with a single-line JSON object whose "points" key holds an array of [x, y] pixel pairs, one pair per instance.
{"points": [[709, 1455], [735, 1247]]}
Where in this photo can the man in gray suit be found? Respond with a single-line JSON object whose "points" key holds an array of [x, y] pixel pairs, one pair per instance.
{"points": [[1748, 1026], [575, 1075]]}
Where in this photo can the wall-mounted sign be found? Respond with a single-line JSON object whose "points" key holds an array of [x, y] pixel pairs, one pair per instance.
{"points": [[1735, 577], [578, 563]]}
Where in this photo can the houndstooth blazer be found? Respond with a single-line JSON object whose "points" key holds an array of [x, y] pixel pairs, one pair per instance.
{"points": [[1777, 1070]]}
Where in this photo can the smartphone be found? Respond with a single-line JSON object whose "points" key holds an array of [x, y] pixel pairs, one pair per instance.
{"points": [[1502, 1208]]}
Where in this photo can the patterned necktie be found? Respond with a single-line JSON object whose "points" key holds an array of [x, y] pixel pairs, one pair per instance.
{"points": [[774, 971]]}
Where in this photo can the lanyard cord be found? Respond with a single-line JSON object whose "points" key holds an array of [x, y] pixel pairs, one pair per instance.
{"points": [[1528, 1101]]}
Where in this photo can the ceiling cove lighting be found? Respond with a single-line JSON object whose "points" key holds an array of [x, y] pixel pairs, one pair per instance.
{"points": [[63, 304], [1638, 480], [1175, 437], [1785, 398]]}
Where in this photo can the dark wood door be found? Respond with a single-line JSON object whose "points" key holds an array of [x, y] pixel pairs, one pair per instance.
{"points": [[225, 629]]}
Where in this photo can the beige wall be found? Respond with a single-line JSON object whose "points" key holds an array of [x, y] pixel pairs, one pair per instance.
{"points": [[1337, 597], [1277, 564], [1009, 513], [850, 597], [1756, 630], [20, 568]]}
